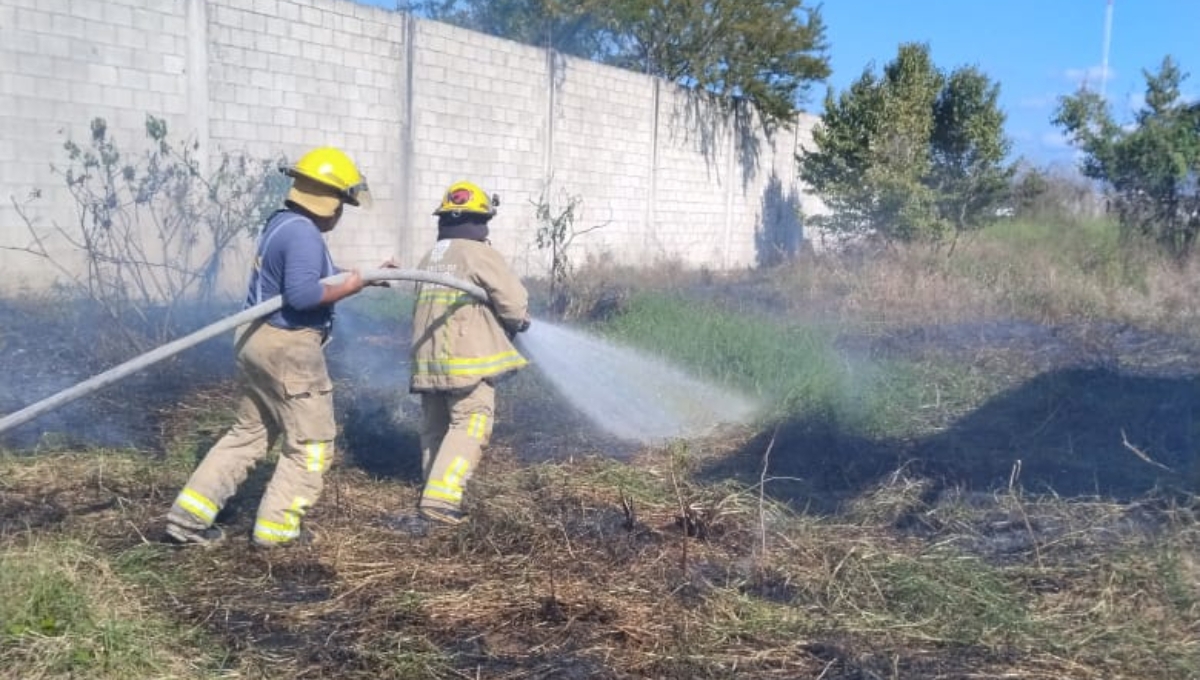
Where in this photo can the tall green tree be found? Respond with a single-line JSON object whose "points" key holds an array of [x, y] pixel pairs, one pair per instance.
{"points": [[912, 154], [1151, 168], [968, 150], [767, 53]]}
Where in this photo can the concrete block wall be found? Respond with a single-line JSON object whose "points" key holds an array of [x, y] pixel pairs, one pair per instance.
{"points": [[286, 76], [62, 63], [603, 153], [696, 177], [480, 112], [417, 104]]}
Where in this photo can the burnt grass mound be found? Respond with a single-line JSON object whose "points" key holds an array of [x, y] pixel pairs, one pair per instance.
{"points": [[569, 570]]}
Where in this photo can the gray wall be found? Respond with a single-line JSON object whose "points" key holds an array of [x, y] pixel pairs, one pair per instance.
{"points": [[417, 104]]}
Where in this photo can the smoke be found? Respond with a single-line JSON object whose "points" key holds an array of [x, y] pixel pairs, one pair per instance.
{"points": [[49, 346], [626, 395]]}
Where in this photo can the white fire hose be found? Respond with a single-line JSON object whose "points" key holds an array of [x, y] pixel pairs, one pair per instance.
{"points": [[247, 315]]}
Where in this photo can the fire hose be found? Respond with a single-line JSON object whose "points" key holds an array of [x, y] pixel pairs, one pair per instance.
{"points": [[247, 315]]}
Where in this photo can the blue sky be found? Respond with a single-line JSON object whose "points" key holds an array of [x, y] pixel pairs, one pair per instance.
{"points": [[1038, 50]]}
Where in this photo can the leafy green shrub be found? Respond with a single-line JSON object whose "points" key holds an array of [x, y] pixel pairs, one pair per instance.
{"points": [[152, 230]]}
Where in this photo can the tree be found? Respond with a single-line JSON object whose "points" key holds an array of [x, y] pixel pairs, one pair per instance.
{"points": [[1055, 194], [912, 154], [556, 232], [969, 173], [1151, 167], [764, 52]]}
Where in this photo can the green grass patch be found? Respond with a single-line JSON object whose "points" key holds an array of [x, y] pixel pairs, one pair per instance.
{"points": [[65, 613], [1092, 236], [1051, 266], [794, 365], [945, 597], [901, 399]]}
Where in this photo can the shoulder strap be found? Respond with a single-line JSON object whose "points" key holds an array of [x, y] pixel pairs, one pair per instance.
{"points": [[264, 241]]}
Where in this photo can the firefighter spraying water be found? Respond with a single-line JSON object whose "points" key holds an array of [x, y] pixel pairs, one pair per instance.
{"points": [[470, 309]]}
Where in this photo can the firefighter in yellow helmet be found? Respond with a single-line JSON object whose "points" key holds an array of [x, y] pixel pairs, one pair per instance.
{"points": [[287, 395], [460, 346]]}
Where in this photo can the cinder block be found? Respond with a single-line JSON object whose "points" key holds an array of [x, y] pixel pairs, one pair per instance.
{"points": [[269, 8], [245, 131], [174, 64], [133, 78], [288, 11], [255, 24], [119, 98], [66, 26], [268, 42], [238, 113], [267, 81], [147, 21], [312, 16], [166, 83], [35, 67], [256, 60], [302, 34], [175, 24], [150, 102], [119, 15], [32, 20], [293, 101], [103, 74]]}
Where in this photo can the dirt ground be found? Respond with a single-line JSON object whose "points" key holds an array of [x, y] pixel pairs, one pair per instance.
{"points": [[1127, 398], [1101, 410]]}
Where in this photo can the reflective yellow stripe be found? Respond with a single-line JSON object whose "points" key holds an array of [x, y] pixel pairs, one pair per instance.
{"points": [[449, 487], [471, 366], [477, 426], [447, 297], [457, 470], [435, 490], [316, 461], [276, 532], [199, 506]]}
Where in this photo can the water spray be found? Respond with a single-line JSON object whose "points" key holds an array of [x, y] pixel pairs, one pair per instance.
{"points": [[174, 347], [630, 395]]}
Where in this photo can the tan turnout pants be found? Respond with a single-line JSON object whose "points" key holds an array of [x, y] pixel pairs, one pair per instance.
{"points": [[455, 426], [287, 395]]}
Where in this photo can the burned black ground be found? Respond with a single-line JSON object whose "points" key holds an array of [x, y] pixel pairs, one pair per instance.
{"points": [[560, 576]]}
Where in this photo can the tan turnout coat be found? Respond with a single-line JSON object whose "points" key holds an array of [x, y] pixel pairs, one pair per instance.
{"points": [[457, 339]]}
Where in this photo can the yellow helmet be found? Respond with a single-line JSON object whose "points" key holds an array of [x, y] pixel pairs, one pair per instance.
{"points": [[466, 197], [333, 169]]}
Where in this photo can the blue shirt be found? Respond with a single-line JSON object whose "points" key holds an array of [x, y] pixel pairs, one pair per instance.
{"points": [[290, 260]]}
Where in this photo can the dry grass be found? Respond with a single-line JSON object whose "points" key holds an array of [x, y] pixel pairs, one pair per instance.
{"points": [[653, 567], [596, 568], [986, 277]]}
